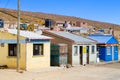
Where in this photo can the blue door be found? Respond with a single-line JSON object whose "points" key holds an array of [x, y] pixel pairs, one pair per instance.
{"points": [[115, 52]]}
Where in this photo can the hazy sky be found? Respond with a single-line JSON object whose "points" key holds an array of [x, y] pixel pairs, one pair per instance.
{"points": [[99, 10]]}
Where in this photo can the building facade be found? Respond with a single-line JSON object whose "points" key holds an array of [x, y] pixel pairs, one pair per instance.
{"points": [[107, 47], [34, 50], [80, 50]]}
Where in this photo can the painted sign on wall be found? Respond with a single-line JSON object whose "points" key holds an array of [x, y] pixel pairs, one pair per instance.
{"points": [[84, 50]]}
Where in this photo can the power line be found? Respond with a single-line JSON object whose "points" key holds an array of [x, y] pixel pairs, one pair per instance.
{"points": [[0, 3], [6, 3]]}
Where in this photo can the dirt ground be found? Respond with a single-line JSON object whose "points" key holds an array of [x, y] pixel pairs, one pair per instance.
{"points": [[109, 71]]}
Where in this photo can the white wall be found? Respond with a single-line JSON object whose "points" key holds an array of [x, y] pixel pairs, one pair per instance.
{"points": [[37, 62], [92, 56], [75, 58]]}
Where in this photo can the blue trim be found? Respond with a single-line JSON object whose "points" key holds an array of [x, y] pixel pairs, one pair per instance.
{"points": [[38, 41], [12, 41], [24, 41]]}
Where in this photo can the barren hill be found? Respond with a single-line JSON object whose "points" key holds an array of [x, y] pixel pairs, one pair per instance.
{"points": [[11, 15]]}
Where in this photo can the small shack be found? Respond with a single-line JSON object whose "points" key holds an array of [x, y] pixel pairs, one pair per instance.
{"points": [[80, 50], [34, 49], [107, 46]]}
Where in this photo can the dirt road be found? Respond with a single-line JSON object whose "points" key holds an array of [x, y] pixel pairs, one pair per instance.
{"points": [[89, 72]]}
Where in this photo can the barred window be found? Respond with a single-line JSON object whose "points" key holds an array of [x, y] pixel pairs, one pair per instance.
{"points": [[12, 48], [37, 49], [108, 51]]}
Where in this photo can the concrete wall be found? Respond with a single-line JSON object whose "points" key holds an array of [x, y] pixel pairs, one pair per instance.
{"points": [[36, 62], [92, 56], [10, 61], [75, 56], [5, 59], [27, 60]]}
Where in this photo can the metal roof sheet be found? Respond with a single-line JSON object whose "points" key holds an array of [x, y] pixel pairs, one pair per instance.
{"points": [[101, 38], [28, 34], [75, 38], [76, 28]]}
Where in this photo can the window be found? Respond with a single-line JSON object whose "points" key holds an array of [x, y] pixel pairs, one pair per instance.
{"points": [[98, 48], [75, 50], [12, 49], [108, 51], [87, 47], [93, 49], [37, 49]]}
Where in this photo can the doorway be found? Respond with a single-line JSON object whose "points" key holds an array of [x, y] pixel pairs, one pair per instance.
{"points": [[112, 53], [81, 54], [87, 47]]}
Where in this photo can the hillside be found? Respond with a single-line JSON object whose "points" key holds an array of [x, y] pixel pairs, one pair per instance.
{"points": [[37, 17]]}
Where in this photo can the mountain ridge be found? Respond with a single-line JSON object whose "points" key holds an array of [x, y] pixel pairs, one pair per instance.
{"points": [[11, 15]]}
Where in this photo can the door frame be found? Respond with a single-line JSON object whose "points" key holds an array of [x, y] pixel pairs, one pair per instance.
{"points": [[112, 53]]}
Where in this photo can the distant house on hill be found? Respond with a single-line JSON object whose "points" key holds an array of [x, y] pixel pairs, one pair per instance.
{"points": [[78, 29], [60, 23]]}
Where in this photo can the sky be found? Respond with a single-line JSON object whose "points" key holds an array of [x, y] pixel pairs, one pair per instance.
{"points": [[98, 10]]}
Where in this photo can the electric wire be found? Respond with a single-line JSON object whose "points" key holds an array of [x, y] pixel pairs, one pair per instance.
{"points": [[6, 4]]}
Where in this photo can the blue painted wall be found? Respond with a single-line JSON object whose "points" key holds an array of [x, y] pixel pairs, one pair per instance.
{"points": [[104, 54], [112, 41], [116, 53], [108, 57]]}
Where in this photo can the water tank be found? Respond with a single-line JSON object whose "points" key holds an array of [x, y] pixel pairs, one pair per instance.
{"points": [[101, 30], [48, 23], [1, 23], [23, 26]]}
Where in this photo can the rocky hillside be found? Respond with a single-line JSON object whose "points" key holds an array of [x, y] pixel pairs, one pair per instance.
{"points": [[38, 17]]}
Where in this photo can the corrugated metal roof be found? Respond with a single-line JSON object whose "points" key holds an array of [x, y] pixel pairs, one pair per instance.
{"points": [[101, 38], [28, 34], [76, 28], [75, 38]]}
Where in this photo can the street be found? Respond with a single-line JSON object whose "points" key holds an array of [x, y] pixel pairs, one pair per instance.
{"points": [[109, 71]]}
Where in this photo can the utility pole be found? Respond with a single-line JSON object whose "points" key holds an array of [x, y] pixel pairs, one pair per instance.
{"points": [[18, 37]]}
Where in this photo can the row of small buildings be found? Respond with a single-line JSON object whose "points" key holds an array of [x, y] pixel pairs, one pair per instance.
{"points": [[55, 48]]}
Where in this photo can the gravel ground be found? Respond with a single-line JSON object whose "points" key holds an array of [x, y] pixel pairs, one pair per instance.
{"points": [[109, 71]]}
